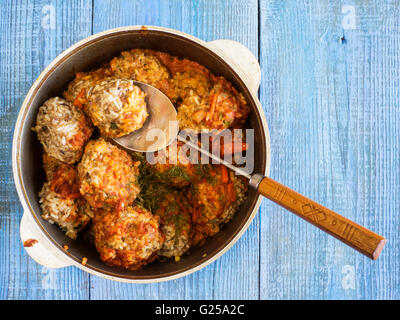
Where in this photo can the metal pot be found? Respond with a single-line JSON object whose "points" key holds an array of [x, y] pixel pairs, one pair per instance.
{"points": [[227, 58]]}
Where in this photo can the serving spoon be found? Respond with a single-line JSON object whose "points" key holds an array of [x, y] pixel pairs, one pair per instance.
{"points": [[162, 124]]}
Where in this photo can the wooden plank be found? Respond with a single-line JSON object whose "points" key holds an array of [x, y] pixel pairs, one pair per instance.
{"points": [[235, 275], [330, 94], [29, 41]]}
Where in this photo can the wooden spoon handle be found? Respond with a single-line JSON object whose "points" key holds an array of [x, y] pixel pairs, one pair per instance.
{"points": [[367, 242]]}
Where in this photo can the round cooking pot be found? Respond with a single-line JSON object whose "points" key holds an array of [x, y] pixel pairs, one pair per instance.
{"points": [[226, 58]]}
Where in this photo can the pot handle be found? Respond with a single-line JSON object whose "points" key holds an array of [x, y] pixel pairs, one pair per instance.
{"points": [[41, 251], [242, 59]]}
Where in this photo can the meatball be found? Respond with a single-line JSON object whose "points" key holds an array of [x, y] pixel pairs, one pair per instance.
{"points": [[137, 64], [192, 113], [79, 88], [129, 238], [175, 213], [68, 213], [227, 106], [62, 177], [189, 83], [60, 200], [216, 197], [172, 166], [62, 129], [107, 176], [222, 108], [117, 107]]}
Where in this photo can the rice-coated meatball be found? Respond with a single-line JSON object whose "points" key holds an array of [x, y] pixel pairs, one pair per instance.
{"points": [[175, 213], [129, 238], [190, 82], [216, 198], [186, 74], [67, 213], [62, 177], [62, 129], [79, 88], [117, 107], [227, 106], [190, 91], [222, 108], [107, 176], [60, 200], [192, 113], [137, 64]]}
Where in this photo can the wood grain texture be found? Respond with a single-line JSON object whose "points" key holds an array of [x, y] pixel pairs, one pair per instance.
{"points": [[331, 98], [354, 235]]}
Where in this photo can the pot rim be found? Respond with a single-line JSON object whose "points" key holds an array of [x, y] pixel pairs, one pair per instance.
{"points": [[16, 146]]}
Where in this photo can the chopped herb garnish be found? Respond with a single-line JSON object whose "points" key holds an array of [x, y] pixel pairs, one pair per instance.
{"points": [[178, 172]]}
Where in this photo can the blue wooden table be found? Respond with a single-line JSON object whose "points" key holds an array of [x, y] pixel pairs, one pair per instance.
{"points": [[331, 94]]}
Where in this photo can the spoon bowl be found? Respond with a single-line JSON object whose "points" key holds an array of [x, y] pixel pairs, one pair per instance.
{"points": [[161, 126]]}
